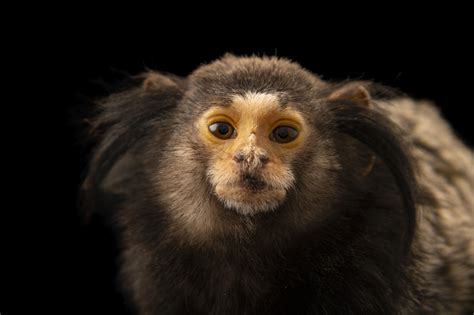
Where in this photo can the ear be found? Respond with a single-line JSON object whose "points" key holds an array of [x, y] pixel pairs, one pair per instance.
{"points": [[357, 93], [155, 81], [354, 92]]}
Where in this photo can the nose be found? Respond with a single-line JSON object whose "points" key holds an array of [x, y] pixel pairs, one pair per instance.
{"points": [[240, 157], [250, 156]]}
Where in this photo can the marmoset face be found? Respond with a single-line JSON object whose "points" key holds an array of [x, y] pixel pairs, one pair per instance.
{"points": [[252, 141]]}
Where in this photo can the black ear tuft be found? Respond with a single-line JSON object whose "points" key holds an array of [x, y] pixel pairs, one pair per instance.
{"points": [[384, 138], [121, 124]]}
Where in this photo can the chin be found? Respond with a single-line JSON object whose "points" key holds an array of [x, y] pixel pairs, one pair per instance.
{"points": [[247, 202]]}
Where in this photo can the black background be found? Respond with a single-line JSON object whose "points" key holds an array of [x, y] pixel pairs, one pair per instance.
{"points": [[51, 260]]}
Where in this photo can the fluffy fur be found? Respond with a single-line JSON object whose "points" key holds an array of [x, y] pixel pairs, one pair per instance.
{"points": [[377, 216]]}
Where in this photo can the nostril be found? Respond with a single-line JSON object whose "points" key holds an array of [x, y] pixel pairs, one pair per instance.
{"points": [[264, 159], [238, 157]]}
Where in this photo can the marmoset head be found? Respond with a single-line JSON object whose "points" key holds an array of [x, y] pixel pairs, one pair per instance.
{"points": [[249, 123], [248, 139]]}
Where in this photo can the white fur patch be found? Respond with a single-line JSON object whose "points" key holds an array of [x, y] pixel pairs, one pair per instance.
{"points": [[247, 208], [257, 98]]}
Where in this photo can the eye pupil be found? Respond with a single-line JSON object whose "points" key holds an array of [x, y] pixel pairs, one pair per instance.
{"points": [[284, 134], [223, 129]]}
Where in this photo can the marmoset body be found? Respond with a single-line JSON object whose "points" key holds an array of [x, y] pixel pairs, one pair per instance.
{"points": [[254, 187]]}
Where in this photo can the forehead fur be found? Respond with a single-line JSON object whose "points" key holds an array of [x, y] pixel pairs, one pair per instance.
{"points": [[262, 102], [239, 75]]}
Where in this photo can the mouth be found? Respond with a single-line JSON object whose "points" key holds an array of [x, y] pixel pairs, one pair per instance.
{"points": [[250, 195], [252, 183]]}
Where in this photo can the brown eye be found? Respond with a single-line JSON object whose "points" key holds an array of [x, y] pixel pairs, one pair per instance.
{"points": [[222, 130], [284, 134]]}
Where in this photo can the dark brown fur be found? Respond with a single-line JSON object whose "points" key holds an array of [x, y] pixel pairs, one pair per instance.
{"points": [[340, 243]]}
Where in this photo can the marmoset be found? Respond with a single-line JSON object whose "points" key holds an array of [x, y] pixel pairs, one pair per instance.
{"points": [[252, 186]]}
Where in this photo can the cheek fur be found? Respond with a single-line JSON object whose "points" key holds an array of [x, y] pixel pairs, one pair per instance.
{"points": [[279, 176], [222, 172]]}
